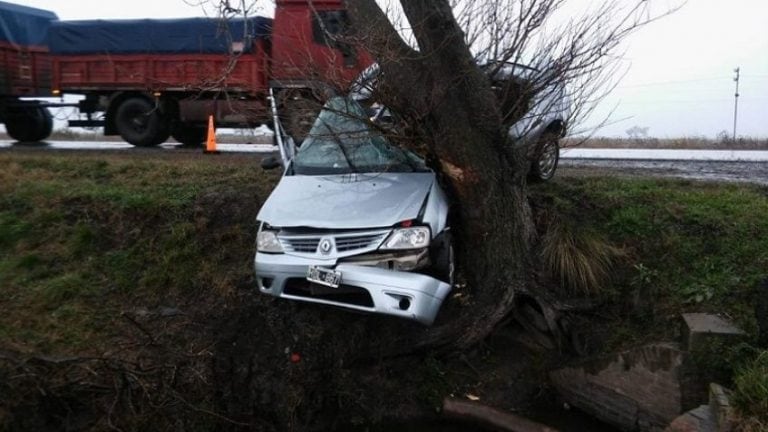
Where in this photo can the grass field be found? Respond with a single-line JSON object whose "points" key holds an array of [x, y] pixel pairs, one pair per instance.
{"points": [[695, 246], [84, 238], [88, 241], [698, 143]]}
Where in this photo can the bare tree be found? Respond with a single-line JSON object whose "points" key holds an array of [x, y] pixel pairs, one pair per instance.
{"points": [[433, 79]]}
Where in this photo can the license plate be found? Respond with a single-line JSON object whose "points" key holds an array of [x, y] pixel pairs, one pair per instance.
{"points": [[324, 276]]}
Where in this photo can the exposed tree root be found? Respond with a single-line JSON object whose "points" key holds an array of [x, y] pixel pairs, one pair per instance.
{"points": [[491, 417]]}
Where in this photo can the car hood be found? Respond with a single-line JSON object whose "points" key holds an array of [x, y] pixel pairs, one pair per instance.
{"points": [[346, 201]]}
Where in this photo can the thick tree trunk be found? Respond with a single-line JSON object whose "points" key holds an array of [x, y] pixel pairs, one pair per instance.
{"points": [[441, 87]]}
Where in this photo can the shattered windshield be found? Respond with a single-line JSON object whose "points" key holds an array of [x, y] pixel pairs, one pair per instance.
{"points": [[342, 142]]}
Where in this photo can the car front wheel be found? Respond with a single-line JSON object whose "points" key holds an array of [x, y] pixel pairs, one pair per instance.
{"points": [[545, 165]]}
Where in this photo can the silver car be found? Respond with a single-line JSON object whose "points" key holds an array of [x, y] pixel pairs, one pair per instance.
{"points": [[355, 222]]}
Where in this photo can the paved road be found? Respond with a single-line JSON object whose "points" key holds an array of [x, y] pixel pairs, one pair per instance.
{"points": [[120, 146], [738, 166], [745, 172], [666, 154]]}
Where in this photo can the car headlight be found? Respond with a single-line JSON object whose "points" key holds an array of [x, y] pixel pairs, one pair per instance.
{"points": [[408, 238], [267, 241]]}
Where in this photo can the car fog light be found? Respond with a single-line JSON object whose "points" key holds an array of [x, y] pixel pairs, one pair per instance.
{"points": [[405, 303]]}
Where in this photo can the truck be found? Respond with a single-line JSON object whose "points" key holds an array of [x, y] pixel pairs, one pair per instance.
{"points": [[151, 79], [25, 71]]}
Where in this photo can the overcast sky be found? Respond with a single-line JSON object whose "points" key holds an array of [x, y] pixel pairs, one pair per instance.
{"points": [[680, 69]]}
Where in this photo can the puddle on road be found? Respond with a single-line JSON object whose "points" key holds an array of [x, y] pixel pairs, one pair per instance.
{"points": [[665, 154], [122, 146]]}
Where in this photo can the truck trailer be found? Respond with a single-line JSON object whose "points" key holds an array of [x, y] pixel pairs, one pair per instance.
{"points": [[25, 71], [149, 79]]}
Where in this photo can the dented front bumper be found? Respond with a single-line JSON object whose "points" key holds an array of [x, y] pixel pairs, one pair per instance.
{"points": [[370, 289]]}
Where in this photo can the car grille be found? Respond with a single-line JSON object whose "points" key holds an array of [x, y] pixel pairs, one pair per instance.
{"points": [[345, 241], [300, 244], [355, 242], [346, 294]]}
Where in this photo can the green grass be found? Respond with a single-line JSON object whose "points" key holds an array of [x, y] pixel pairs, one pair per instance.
{"points": [[696, 246], [85, 238], [77, 232], [751, 393]]}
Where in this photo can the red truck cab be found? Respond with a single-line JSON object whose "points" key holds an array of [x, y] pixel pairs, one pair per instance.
{"points": [[307, 43]]}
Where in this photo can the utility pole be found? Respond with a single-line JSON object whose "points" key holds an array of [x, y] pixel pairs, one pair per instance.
{"points": [[736, 105]]}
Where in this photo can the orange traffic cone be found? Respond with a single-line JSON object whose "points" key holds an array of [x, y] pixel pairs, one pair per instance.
{"points": [[210, 145]]}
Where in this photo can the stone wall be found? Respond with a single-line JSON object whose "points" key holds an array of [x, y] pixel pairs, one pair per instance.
{"points": [[634, 390]]}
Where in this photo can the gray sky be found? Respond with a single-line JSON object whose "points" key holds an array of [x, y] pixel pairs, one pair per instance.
{"points": [[680, 69]]}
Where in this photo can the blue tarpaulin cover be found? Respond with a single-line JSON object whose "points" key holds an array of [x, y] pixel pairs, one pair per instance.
{"points": [[23, 25], [150, 36]]}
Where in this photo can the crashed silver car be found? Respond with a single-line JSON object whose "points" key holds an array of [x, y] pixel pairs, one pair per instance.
{"points": [[355, 222]]}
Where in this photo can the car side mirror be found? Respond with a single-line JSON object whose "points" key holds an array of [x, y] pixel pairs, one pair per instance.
{"points": [[270, 163]]}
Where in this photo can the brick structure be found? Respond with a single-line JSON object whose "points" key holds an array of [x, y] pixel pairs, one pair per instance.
{"points": [[717, 416], [646, 388], [636, 390]]}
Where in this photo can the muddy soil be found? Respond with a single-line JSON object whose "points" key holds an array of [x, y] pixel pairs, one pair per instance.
{"points": [[294, 366]]}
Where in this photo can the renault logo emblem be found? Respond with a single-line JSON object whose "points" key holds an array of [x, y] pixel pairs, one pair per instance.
{"points": [[325, 246]]}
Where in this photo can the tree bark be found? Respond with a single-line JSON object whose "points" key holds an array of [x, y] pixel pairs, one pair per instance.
{"points": [[440, 87]]}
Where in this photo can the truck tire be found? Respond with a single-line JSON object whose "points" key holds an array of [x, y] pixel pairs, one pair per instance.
{"points": [[162, 136], [190, 135], [140, 123], [29, 124], [544, 165]]}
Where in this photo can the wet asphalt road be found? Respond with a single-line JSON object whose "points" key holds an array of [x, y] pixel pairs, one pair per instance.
{"points": [[709, 170], [122, 147], [728, 171]]}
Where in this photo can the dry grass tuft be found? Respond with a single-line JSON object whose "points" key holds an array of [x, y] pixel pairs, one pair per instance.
{"points": [[581, 259], [751, 425]]}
